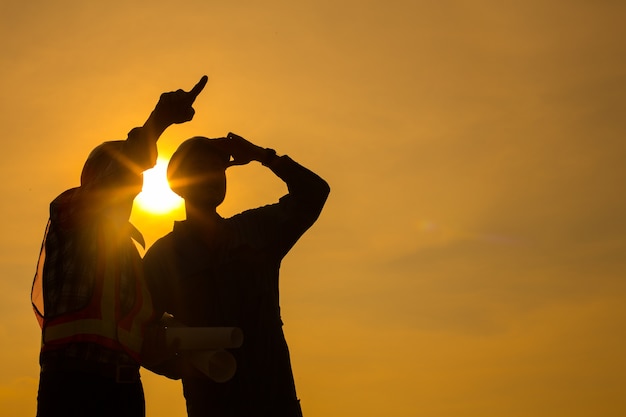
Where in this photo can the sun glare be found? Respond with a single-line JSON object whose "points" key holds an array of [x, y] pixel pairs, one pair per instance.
{"points": [[156, 195]]}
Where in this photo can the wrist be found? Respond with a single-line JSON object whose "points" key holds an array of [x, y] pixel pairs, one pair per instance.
{"points": [[268, 155], [156, 124]]}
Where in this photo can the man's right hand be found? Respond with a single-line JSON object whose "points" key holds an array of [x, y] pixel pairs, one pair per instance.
{"points": [[176, 106]]}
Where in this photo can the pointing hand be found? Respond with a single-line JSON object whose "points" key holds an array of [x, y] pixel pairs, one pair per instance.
{"points": [[176, 106]]}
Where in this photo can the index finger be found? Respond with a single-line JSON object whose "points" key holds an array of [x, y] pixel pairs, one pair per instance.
{"points": [[198, 87]]}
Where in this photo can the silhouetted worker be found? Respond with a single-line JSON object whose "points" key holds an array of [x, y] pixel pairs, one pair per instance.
{"points": [[214, 271], [88, 293]]}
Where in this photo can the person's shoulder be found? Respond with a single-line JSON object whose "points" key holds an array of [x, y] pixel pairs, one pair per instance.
{"points": [[68, 210], [65, 199], [159, 247], [167, 244]]}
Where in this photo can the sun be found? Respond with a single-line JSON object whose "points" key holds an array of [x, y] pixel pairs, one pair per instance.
{"points": [[156, 196]]}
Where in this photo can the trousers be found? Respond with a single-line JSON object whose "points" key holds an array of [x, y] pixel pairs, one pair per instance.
{"points": [[79, 394]]}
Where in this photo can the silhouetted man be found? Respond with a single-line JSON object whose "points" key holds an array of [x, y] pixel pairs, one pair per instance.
{"points": [[88, 292], [214, 271]]}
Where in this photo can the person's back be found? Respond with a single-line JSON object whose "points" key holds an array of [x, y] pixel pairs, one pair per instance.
{"points": [[88, 292], [89, 288]]}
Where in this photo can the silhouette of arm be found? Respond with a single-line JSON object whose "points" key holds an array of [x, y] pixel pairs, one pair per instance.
{"points": [[307, 191], [305, 187], [116, 166], [173, 107], [285, 222]]}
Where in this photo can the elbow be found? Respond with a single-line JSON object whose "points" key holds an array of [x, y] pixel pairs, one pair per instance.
{"points": [[322, 195], [325, 189]]}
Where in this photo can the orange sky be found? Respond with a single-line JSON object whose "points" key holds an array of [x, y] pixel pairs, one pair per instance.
{"points": [[470, 261]]}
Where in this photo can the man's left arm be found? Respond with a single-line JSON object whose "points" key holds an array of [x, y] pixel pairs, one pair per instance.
{"points": [[307, 189], [296, 212]]}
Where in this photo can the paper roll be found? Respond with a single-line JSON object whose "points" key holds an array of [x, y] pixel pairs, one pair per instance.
{"points": [[203, 338], [219, 365]]}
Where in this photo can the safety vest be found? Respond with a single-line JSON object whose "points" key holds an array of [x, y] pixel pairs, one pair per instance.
{"points": [[119, 306]]}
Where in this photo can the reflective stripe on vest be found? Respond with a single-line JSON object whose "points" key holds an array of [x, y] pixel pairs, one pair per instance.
{"points": [[100, 321]]}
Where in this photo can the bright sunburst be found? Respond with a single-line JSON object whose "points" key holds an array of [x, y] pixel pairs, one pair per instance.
{"points": [[156, 195]]}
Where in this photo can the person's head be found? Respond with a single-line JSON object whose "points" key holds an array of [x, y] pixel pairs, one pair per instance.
{"points": [[113, 192], [197, 171]]}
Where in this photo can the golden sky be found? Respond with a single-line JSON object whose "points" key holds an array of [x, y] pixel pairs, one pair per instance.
{"points": [[470, 261]]}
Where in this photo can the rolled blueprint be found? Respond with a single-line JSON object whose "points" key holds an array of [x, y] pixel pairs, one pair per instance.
{"points": [[204, 338], [219, 365]]}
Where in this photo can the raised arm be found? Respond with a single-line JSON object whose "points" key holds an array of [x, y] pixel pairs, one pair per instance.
{"points": [[173, 107], [111, 175], [307, 190]]}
